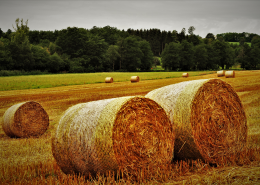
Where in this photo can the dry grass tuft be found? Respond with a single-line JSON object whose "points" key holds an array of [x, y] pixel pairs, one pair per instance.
{"points": [[26, 119]]}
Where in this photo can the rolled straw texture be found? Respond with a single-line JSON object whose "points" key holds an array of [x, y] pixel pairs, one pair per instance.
{"points": [[112, 134], [220, 73], [208, 116], [230, 74], [134, 79], [25, 119], [185, 74], [109, 80]]}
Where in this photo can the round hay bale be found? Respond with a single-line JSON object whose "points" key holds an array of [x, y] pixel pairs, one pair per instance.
{"points": [[25, 119], [109, 80], [230, 74], [134, 79], [220, 73], [112, 134], [185, 74], [210, 122]]}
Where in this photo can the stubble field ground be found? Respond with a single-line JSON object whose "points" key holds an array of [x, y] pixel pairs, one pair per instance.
{"points": [[30, 161]]}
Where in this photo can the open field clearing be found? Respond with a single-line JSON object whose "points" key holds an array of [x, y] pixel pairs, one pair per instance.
{"points": [[249, 43], [56, 80], [30, 161]]}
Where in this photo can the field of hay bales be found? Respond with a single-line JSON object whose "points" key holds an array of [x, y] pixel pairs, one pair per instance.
{"points": [[30, 160]]}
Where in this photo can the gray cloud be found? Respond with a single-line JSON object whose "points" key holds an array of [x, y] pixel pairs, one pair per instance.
{"points": [[206, 16]]}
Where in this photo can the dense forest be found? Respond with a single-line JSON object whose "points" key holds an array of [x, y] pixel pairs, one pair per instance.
{"points": [[107, 49]]}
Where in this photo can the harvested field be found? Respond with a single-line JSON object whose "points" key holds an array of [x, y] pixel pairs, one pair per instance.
{"points": [[30, 160]]}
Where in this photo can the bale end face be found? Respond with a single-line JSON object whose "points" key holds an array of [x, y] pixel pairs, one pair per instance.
{"points": [[218, 121], [143, 136], [27, 119]]}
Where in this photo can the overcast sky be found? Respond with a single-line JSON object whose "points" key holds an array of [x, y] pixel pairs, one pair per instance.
{"points": [[207, 16]]}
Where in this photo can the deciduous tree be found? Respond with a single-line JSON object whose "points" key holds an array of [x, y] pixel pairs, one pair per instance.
{"points": [[147, 58], [171, 56], [112, 55], [186, 54]]}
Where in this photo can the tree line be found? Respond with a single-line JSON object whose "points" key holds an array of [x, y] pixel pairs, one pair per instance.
{"points": [[109, 49]]}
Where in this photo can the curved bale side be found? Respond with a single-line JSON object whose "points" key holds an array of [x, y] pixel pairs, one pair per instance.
{"points": [[185, 74], [111, 134], [134, 79], [220, 73], [208, 116], [26, 119], [230, 74], [109, 80]]}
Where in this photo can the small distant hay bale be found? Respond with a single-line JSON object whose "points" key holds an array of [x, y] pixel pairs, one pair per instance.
{"points": [[112, 134], [109, 80], [26, 119], [134, 79], [230, 74], [208, 116], [185, 74], [220, 73]]}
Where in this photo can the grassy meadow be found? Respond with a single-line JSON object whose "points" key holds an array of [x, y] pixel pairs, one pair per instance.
{"points": [[30, 160], [57, 80], [249, 43]]}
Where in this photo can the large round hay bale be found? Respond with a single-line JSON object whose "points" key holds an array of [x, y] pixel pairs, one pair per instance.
{"points": [[134, 79], [230, 74], [220, 73], [25, 119], [109, 80], [108, 135], [185, 74], [208, 116]]}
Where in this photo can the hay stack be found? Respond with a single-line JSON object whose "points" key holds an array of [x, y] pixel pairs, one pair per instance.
{"points": [[208, 116], [134, 79], [220, 73], [109, 80], [185, 74], [111, 134], [25, 119], [230, 74]]}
